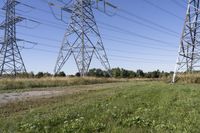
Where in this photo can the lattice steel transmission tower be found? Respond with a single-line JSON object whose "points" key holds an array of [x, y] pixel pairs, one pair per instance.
{"points": [[10, 58], [189, 51], [82, 39]]}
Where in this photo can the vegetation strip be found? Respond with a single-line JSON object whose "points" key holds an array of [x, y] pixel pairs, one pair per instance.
{"points": [[7, 85], [126, 107]]}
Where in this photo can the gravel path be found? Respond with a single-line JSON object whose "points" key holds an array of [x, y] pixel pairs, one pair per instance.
{"points": [[50, 92], [12, 97]]}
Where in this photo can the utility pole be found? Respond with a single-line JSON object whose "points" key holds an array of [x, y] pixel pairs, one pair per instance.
{"points": [[82, 39], [189, 51], [11, 62]]}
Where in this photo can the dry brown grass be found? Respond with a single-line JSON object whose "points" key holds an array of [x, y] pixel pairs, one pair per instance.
{"points": [[14, 84], [189, 78]]}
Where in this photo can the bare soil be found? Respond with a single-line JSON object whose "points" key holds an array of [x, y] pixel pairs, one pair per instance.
{"points": [[6, 98]]}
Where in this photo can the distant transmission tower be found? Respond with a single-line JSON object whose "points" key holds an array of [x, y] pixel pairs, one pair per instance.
{"points": [[10, 58], [82, 39], [189, 51]]}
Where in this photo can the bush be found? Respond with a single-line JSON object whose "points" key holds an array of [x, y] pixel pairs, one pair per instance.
{"points": [[60, 74], [39, 75]]}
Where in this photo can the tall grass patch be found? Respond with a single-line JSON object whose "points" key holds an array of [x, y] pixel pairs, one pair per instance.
{"points": [[15, 84], [189, 78]]}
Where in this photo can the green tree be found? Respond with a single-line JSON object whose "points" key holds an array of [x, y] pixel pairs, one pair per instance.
{"points": [[39, 75], [116, 72], [132, 74], [140, 73], [61, 74], [77, 74], [155, 74], [124, 73], [92, 72]]}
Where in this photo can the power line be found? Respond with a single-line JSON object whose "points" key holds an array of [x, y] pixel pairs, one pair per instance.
{"points": [[112, 59], [135, 34], [136, 52], [126, 57], [52, 24], [118, 30], [146, 20], [169, 32], [114, 28], [114, 50], [134, 21], [47, 22], [137, 45], [178, 4], [129, 57], [62, 28], [164, 28], [126, 18], [43, 22], [118, 41], [104, 36], [39, 9], [133, 61], [109, 25], [40, 37], [115, 40], [163, 10]]}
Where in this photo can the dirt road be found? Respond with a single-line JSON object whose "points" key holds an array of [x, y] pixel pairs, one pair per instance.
{"points": [[50, 92]]}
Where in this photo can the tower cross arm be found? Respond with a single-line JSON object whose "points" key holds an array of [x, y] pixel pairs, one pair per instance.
{"points": [[11, 21], [12, 3]]}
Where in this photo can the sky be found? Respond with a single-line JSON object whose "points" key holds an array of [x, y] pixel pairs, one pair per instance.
{"points": [[139, 34]]}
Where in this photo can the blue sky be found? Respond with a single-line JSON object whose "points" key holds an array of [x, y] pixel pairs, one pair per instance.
{"points": [[122, 35]]}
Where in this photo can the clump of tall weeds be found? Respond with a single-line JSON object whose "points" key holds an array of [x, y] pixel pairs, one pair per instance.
{"points": [[14, 84]]}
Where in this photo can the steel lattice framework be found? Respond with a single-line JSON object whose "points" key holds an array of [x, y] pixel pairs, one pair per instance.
{"points": [[10, 58], [189, 51], [82, 39]]}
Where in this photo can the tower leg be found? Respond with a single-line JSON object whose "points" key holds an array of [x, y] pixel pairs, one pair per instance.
{"points": [[189, 50]]}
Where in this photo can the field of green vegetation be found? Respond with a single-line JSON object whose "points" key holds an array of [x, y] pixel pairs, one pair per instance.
{"points": [[121, 107]]}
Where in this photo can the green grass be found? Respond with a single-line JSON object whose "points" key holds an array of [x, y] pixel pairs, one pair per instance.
{"points": [[122, 108]]}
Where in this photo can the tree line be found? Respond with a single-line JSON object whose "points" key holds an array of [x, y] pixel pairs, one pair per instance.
{"points": [[115, 73], [123, 73]]}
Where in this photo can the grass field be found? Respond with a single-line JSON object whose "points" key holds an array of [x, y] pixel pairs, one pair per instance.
{"points": [[123, 107]]}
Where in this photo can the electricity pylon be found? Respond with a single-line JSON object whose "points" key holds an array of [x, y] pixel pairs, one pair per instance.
{"points": [[189, 50], [82, 39], [10, 58]]}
